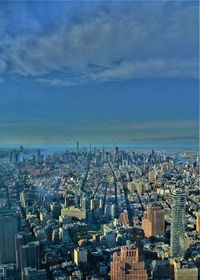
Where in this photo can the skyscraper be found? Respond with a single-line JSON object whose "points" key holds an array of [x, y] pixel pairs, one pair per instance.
{"points": [[30, 255], [77, 147], [21, 239], [80, 256], [8, 229], [153, 222], [178, 224], [128, 265]]}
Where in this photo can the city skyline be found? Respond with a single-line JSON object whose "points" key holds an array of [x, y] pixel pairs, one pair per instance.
{"points": [[99, 140], [99, 72]]}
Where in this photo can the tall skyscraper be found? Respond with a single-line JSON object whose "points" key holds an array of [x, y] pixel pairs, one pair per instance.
{"points": [[128, 265], [77, 147], [30, 255], [178, 224], [21, 239], [153, 222], [8, 229]]}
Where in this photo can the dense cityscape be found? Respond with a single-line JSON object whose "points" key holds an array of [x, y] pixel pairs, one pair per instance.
{"points": [[99, 213], [99, 140]]}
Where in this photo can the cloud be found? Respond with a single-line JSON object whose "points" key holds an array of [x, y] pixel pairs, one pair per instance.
{"points": [[119, 41], [56, 82], [151, 125], [172, 68]]}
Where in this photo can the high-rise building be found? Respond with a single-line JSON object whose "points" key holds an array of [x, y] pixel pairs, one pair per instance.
{"points": [[64, 234], [80, 256], [30, 255], [21, 239], [113, 211], [77, 147], [123, 218], [153, 222], [8, 229], [34, 274], [94, 203], [140, 187], [128, 265], [185, 270], [85, 203], [198, 222], [178, 224]]}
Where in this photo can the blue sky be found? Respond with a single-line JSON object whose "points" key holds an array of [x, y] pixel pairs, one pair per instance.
{"points": [[98, 71]]}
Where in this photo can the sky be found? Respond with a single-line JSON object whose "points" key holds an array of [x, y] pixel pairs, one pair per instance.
{"points": [[99, 71]]}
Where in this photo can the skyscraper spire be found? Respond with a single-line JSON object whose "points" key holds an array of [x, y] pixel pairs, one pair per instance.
{"points": [[77, 147]]}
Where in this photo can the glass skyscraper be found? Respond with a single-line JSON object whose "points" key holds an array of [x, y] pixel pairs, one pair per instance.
{"points": [[178, 224]]}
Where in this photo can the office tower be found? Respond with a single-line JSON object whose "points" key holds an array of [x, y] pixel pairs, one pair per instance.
{"points": [[127, 265], [21, 154], [178, 224], [94, 203], [113, 211], [64, 234], [140, 187], [34, 274], [30, 255], [21, 239], [131, 186], [38, 156], [94, 207], [26, 198], [107, 211], [85, 203], [198, 222], [153, 222], [8, 229], [14, 157], [55, 234], [103, 154], [80, 256], [77, 147], [185, 270]]}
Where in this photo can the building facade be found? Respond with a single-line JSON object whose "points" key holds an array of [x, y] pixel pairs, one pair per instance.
{"points": [[8, 230], [178, 224], [153, 222], [128, 265], [185, 270]]}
